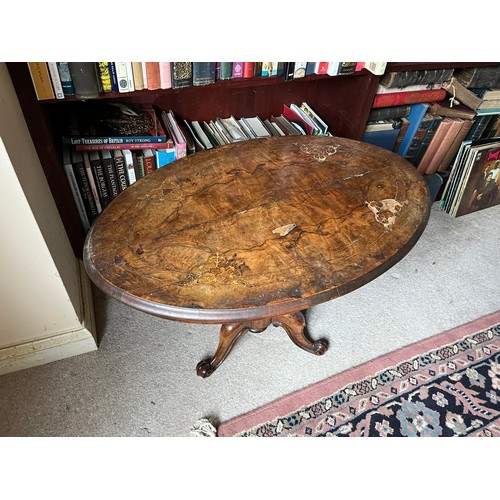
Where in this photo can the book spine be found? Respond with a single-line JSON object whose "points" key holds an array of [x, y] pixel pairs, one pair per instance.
{"points": [[165, 75], [447, 160], [112, 147], [41, 80], [182, 74], [129, 166], [226, 70], [114, 77], [113, 141], [389, 113], [100, 179], [130, 75], [121, 172], [203, 73], [65, 76], [105, 76], [138, 76], [153, 75], [122, 76], [400, 98], [237, 70], [92, 180], [84, 185], [110, 175], [149, 163], [321, 68], [248, 69], [56, 80]]}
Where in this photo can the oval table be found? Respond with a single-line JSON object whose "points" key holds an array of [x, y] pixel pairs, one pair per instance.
{"points": [[256, 232]]}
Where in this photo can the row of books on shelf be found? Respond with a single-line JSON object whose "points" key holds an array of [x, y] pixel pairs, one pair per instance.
{"points": [[109, 146], [88, 80]]}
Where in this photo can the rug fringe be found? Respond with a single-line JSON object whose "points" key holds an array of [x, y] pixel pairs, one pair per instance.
{"points": [[203, 428]]}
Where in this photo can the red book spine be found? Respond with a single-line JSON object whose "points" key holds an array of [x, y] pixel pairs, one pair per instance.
{"points": [[408, 97], [248, 69]]}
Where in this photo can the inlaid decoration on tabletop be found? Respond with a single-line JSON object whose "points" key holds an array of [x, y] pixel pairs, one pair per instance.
{"points": [[386, 211], [319, 152]]}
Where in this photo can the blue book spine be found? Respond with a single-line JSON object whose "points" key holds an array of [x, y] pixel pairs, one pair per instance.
{"points": [[114, 79], [415, 117], [66, 80]]}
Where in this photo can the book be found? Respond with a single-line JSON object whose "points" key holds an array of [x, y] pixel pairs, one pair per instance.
{"points": [[408, 97], [190, 140], [383, 133], [164, 156], [100, 178], [182, 74], [416, 115], [389, 113], [285, 125], [56, 80], [129, 166], [418, 138], [198, 144], [296, 119], [405, 123], [288, 71], [84, 185], [248, 69], [436, 139], [149, 161], [346, 68], [121, 173], [110, 173], [460, 92], [321, 68], [91, 180], [153, 75], [455, 146], [382, 89], [203, 73], [478, 127], [234, 129], [138, 75], [165, 75], [377, 68], [299, 69], [323, 127], [443, 144], [416, 77], [201, 135], [66, 80], [257, 126], [115, 124], [40, 77], [122, 76], [104, 76], [479, 77], [447, 108], [75, 189], [138, 160], [237, 70], [114, 78], [226, 70], [427, 139]]}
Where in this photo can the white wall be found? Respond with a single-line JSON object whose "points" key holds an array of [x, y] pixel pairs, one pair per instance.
{"points": [[44, 310]]}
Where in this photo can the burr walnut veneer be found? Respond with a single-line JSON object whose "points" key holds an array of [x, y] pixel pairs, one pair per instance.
{"points": [[254, 233]]}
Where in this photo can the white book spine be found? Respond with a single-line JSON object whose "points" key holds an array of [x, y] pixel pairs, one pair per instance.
{"points": [[56, 80], [122, 76]]}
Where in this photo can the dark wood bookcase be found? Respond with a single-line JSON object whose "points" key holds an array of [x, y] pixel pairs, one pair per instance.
{"points": [[343, 102]]}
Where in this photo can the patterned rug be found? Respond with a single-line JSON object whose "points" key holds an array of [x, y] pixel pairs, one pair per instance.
{"points": [[447, 385]]}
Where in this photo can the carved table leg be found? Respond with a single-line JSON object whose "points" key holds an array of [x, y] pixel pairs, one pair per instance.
{"points": [[294, 325], [229, 334]]}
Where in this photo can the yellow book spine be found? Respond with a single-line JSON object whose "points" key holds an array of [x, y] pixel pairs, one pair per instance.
{"points": [[41, 80]]}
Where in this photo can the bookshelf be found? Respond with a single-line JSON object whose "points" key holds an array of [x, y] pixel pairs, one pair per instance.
{"points": [[343, 102]]}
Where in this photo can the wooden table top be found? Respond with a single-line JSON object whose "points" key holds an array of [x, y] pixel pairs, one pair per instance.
{"points": [[257, 229]]}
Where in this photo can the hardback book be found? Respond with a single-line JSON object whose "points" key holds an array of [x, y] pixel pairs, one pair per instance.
{"points": [[110, 173], [130, 74], [114, 78], [226, 70], [56, 80], [427, 139], [182, 74], [121, 172], [299, 69], [246, 127], [408, 97], [416, 77], [461, 93], [84, 185], [271, 128], [418, 137], [165, 75], [405, 123], [115, 123], [122, 76], [346, 68], [307, 119], [129, 166], [447, 108], [66, 80], [491, 129], [285, 125], [296, 119], [212, 134], [315, 117], [203, 73], [480, 77], [321, 68], [311, 66], [455, 146], [257, 126], [248, 69], [237, 70], [138, 75], [190, 141], [201, 135], [443, 144], [149, 161], [100, 178], [92, 180], [417, 112], [105, 76], [153, 75], [164, 156], [377, 68], [75, 189], [41, 80], [138, 160], [383, 133], [478, 127], [333, 68], [288, 70], [234, 129], [487, 94], [436, 140], [198, 143], [389, 113]]}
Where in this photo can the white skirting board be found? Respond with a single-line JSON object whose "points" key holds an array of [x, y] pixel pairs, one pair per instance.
{"points": [[59, 346]]}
